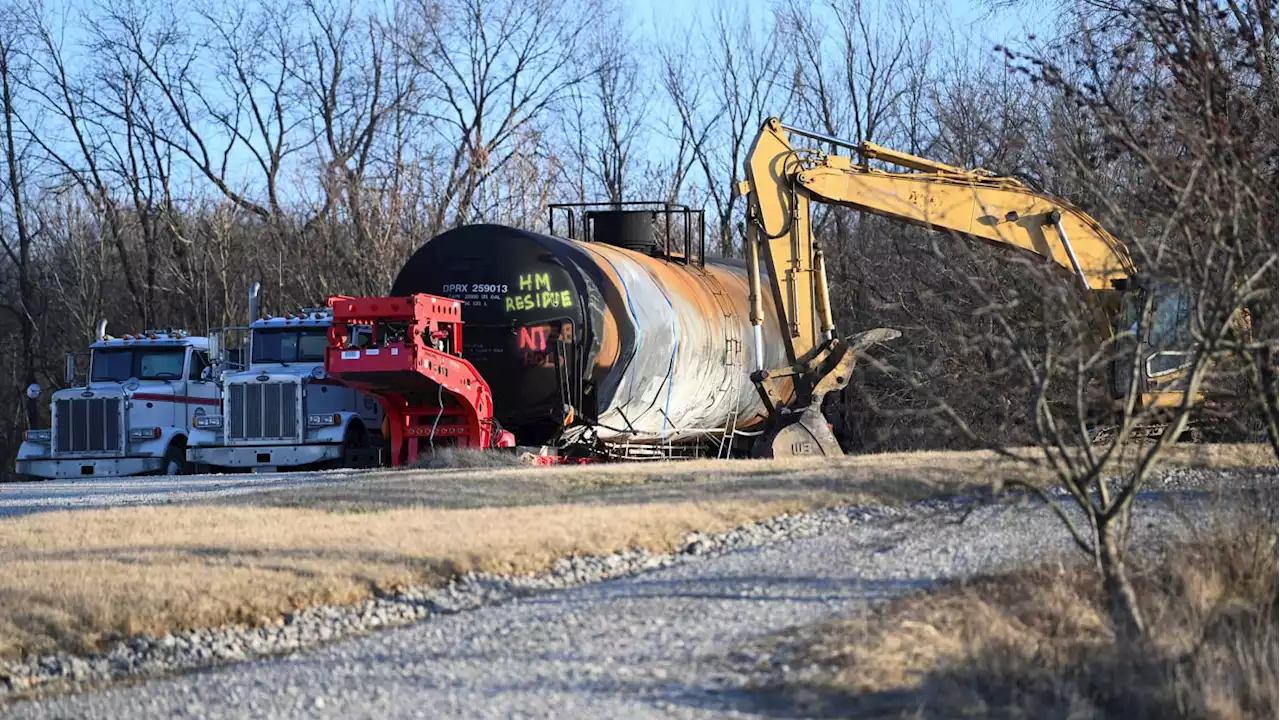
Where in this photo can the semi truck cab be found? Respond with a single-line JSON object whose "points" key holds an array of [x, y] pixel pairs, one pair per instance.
{"points": [[282, 410], [134, 414]]}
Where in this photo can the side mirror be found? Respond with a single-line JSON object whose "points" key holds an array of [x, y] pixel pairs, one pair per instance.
{"points": [[71, 369], [215, 347], [206, 373]]}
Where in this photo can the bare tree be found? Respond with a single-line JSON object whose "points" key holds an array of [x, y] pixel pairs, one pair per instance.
{"points": [[1197, 165], [345, 78], [606, 117], [865, 71], [862, 73], [17, 249], [70, 108], [853, 64], [252, 49], [742, 65], [492, 69]]}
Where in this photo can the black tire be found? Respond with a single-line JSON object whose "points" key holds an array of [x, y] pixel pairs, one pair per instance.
{"points": [[354, 445], [175, 459]]}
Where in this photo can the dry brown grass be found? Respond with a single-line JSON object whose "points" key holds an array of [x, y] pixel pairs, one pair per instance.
{"points": [[879, 478], [888, 478], [1038, 644], [1221, 455], [75, 580]]}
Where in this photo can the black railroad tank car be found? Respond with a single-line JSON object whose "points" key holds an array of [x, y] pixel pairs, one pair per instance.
{"points": [[580, 337]]}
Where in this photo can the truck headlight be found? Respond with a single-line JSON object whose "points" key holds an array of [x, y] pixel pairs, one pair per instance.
{"points": [[39, 436], [208, 421], [144, 433], [324, 420]]}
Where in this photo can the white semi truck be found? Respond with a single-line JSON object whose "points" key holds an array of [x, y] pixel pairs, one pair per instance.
{"points": [[280, 410], [134, 414]]}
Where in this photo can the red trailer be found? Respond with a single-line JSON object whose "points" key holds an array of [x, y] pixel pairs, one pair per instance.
{"points": [[407, 353]]}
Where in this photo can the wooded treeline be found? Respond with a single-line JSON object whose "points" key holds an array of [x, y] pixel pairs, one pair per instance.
{"points": [[156, 159]]}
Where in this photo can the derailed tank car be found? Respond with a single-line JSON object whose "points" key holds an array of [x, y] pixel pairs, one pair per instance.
{"points": [[617, 337]]}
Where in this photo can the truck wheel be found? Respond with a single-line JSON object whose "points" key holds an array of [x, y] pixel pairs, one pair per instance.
{"points": [[354, 448], [175, 460]]}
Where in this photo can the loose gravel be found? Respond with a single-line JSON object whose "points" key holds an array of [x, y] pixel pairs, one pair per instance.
{"points": [[564, 643]]}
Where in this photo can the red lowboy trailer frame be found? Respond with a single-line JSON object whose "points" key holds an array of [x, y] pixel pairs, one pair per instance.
{"points": [[406, 352]]}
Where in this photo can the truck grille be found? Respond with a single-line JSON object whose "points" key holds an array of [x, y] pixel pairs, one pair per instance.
{"points": [[262, 411], [87, 425]]}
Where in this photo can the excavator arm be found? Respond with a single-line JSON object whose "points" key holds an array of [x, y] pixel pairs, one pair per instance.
{"points": [[783, 180]]}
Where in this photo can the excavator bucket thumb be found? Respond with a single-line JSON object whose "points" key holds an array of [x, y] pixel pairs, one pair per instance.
{"points": [[863, 340]]}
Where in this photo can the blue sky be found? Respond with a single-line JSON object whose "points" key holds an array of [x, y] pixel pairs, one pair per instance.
{"points": [[985, 26]]}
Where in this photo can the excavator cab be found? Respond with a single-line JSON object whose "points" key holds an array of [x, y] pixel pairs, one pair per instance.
{"points": [[1166, 347]]}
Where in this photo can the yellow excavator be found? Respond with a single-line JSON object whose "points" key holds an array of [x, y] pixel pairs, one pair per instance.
{"points": [[782, 181]]}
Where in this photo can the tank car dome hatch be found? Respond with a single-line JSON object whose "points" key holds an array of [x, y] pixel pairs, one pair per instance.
{"points": [[630, 229]]}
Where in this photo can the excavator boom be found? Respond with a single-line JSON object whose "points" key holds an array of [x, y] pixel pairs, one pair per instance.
{"points": [[781, 182], [999, 210]]}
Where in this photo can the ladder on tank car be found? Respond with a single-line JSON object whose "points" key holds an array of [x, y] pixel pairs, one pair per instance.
{"points": [[406, 352]]}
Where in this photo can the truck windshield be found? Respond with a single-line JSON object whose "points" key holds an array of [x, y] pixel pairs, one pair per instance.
{"points": [[142, 363], [289, 346]]}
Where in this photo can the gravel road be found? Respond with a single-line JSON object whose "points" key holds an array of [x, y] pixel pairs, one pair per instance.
{"points": [[651, 645], [24, 498]]}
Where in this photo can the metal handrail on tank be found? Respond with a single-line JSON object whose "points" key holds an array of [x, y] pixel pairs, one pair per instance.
{"points": [[691, 218]]}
